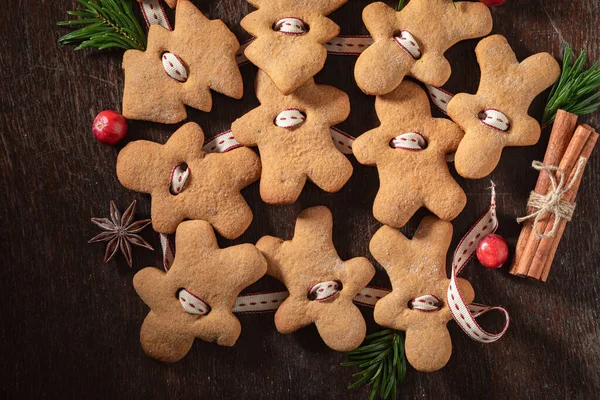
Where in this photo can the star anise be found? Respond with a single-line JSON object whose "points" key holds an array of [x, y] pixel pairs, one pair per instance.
{"points": [[120, 231]]}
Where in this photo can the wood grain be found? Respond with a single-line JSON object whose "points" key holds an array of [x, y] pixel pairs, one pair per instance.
{"points": [[71, 324]]}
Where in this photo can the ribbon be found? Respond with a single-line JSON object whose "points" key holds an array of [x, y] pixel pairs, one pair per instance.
{"points": [[324, 291], [552, 203], [290, 118], [192, 303], [409, 44], [155, 14], [409, 141], [426, 303], [495, 119], [179, 176], [174, 67], [463, 314], [290, 26]]}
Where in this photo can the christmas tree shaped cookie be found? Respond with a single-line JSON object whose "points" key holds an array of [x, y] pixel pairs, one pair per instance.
{"points": [[409, 149], [195, 297], [413, 41], [289, 38], [187, 183], [180, 67], [417, 303], [496, 116], [321, 285], [293, 135]]}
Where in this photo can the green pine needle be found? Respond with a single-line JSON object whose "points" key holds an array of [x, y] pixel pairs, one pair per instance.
{"points": [[384, 366], [105, 24], [576, 91]]}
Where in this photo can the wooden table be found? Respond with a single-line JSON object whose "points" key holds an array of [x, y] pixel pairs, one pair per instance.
{"points": [[71, 324]]}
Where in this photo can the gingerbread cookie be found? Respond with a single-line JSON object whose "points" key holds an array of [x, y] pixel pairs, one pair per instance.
{"points": [[413, 41], [496, 116], [289, 38], [321, 285], [417, 303], [409, 149], [187, 183], [195, 297], [179, 67], [293, 135]]}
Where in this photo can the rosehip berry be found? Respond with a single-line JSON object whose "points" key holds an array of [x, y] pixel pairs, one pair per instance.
{"points": [[492, 3], [109, 127], [492, 251]]}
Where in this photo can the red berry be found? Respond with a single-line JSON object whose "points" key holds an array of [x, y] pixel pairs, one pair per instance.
{"points": [[492, 3], [492, 251], [109, 127]]}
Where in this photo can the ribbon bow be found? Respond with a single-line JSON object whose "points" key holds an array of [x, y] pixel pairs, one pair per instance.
{"points": [[552, 203]]}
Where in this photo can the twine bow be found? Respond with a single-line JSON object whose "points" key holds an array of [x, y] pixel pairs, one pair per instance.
{"points": [[552, 203]]}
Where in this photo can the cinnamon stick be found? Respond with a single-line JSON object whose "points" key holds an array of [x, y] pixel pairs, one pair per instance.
{"points": [[572, 194], [566, 165], [562, 131]]}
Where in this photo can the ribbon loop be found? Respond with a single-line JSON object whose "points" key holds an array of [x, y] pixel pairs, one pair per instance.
{"points": [[552, 203], [464, 314], [174, 67], [426, 303], [324, 291], [409, 141], [192, 304], [291, 26], [179, 177], [290, 118], [494, 119], [409, 44]]}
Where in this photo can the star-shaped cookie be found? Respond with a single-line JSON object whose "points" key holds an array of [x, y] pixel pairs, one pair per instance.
{"points": [[507, 88], [195, 297], [413, 41], [291, 154], [417, 268], [308, 260], [411, 177], [289, 37], [212, 189], [205, 48]]}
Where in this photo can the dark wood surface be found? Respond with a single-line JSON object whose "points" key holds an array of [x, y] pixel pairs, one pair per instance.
{"points": [[71, 324]]}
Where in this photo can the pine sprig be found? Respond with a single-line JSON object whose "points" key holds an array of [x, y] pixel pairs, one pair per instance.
{"points": [[105, 24], [576, 91], [382, 357]]}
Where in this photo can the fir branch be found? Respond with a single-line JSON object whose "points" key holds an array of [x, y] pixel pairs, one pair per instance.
{"points": [[105, 24], [382, 357], [576, 91]]}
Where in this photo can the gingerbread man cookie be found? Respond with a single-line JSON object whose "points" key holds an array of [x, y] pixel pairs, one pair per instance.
{"points": [[496, 116], [321, 285], [417, 303], [195, 297], [293, 135], [187, 183], [413, 41], [179, 67], [289, 38], [409, 149]]}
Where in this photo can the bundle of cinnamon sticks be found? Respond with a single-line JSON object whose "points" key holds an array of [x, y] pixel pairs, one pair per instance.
{"points": [[567, 145]]}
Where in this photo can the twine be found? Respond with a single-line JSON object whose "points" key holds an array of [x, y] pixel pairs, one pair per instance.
{"points": [[552, 203]]}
